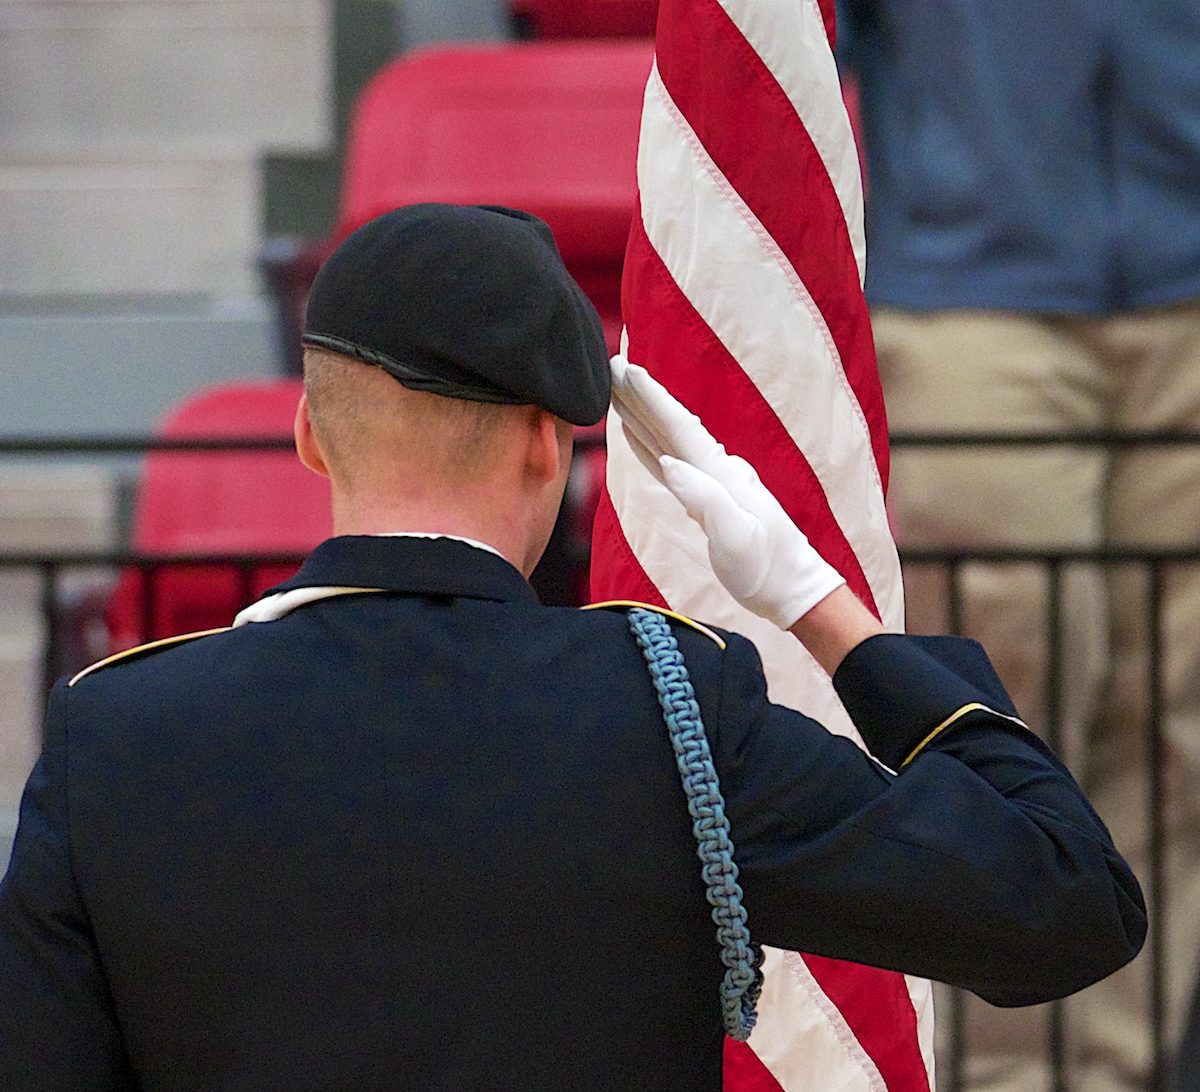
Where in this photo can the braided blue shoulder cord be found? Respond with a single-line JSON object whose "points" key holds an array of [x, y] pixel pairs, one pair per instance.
{"points": [[741, 985]]}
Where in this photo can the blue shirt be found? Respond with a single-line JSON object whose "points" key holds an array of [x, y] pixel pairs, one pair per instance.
{"points": [[1029, 156]]}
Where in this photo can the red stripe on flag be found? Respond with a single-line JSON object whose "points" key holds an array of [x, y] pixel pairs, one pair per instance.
{"points": [[745, 1072], [829, 17], [616, 573], [878, 1009], [734, 103], [668, 335]]}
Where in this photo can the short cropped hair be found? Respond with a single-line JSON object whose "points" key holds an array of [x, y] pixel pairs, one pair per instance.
{"points": [[359, 412]]}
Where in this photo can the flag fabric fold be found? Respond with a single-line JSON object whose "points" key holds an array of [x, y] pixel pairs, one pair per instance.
{"points": [[742, 293]]}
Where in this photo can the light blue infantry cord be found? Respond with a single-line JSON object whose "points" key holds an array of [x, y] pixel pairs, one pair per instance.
{"points": [[741, 985]]}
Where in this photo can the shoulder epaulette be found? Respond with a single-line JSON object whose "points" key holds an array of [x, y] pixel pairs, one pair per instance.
{"points": [[625, 604], [142, 650]]}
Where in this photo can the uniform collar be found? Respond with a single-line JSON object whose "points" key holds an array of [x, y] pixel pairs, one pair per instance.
{"points": [[418, 566]]}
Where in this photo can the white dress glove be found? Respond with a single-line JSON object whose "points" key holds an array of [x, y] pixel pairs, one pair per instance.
{"points": [[761, 557]]}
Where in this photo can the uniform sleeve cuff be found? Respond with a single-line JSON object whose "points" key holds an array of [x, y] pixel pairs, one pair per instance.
{"points": [[904, 692]]}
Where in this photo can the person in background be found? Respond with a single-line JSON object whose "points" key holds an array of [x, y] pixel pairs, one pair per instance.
{"points": [[1033, 223]]}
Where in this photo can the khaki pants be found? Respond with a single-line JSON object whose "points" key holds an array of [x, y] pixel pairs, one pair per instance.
{"points": [[976, 371]]}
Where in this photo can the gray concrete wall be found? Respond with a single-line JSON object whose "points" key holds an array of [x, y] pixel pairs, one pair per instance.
{"points": [[426, 21], [119, 373]]}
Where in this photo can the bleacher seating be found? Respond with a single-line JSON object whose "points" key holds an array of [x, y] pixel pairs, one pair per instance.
{"points": [[587, 18], [218, 502]]}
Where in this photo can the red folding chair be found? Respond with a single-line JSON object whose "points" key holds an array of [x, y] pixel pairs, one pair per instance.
{"points": [[548, 128], [217, 503], [587, 18]]}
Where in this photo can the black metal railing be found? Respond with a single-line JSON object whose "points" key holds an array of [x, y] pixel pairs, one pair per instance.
{"points": [[1155, 562], [51, 567], [899, 441], [137, 445]]}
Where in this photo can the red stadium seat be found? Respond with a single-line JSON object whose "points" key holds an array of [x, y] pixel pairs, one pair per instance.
{"points": [[550, 128], [588, 18], [218, 502]]}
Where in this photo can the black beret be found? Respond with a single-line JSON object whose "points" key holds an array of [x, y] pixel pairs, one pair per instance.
{"points": [[470, 302]]}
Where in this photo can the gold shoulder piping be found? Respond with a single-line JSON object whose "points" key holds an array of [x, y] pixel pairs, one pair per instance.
{"points": [[164, 642], [969, 708], [660, 610]]}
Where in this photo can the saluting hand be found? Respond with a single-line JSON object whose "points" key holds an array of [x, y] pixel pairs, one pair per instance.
{"points": [[761, 557]]}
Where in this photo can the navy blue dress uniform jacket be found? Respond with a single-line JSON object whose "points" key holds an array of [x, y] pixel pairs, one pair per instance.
{"points": [[434, 839]]}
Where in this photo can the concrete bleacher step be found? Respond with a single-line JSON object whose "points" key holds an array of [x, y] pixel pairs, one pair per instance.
{"points": [[130, 135], [56, 507], [136, 223], [167, 73]]}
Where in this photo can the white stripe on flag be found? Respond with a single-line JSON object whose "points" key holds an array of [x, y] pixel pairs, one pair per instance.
{"points": [[790, 39], [796, 1042]]}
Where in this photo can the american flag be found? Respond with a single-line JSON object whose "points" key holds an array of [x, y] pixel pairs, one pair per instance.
{"points": [[742, 293]]}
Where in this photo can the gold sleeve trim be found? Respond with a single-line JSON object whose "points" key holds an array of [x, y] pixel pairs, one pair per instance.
{"points": [[626, 603], [956, 715], [151, 646]]}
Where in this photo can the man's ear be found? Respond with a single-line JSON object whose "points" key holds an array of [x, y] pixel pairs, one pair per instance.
{"points": [[306, 443], [545, 451]]}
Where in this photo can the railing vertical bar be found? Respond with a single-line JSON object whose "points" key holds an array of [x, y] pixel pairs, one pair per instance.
{"points": [[149, 601], [1056, 1016], [48, 571], [957, 1024], [1054, 654], [1157, 892], [245, 571], [954, 595]]}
